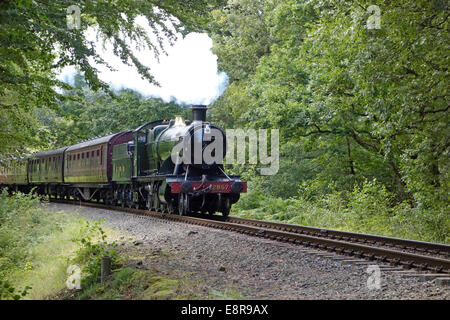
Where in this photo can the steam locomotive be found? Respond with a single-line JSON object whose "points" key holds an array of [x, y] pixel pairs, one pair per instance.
{"points": [[169, 166]]}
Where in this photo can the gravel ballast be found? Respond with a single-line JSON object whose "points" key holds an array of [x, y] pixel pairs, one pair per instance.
{"points": [[248, 267]]}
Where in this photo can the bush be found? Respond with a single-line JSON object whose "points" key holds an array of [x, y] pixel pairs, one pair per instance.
{"points": [[20, 227], [8, 292], [369, 208], [370, 199], [93, 246], [22, 224]]}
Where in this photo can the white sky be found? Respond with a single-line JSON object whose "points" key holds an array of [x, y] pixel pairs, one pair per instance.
{"points": [[188, 74]]}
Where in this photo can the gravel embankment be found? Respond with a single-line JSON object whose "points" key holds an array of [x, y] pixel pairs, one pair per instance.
{"points": [[223, 261]]}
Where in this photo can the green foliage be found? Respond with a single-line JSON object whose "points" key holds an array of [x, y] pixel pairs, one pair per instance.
{"points": [[22, 224], [8, 292], [239, 33], [136, 284], [369, 208], [37, 43], [93, 245], [352, 105], [120, 280], [370, 199]]}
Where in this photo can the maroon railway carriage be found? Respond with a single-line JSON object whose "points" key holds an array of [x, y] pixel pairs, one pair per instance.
{"points": [[13, 173], [88, 166], [46, 167], [45, 170]]}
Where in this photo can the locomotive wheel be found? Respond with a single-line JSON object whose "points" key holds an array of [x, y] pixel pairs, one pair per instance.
{"points": [[109, 196], [180, 204], [149, 202], [212, 207], [170, 207], [122, 200], [120, 196], [129, 197], [226, 207], [130, 203], [186, 205], [156, 203], [183, 204]]}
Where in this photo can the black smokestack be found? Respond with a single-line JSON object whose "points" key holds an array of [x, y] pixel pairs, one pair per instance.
{"points": [[199, 112]]}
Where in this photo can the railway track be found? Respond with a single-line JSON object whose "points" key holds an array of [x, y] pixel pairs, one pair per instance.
{"points": [[399, 252]]}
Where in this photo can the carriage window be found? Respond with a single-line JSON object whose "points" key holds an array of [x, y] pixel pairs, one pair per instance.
{"points": [[78, 156], [92, 154], [87, 155], [98, 153], [82, 155]]}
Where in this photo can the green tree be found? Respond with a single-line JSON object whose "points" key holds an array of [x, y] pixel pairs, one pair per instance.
{"points": [[36, 42], [354, 103]]}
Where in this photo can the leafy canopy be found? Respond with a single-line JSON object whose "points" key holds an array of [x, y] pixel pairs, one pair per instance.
{"points": [[352, 103], [36, 42]]}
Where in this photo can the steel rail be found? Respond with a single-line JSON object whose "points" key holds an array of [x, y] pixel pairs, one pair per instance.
{"points": [[437, 248], [283, 232]]}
